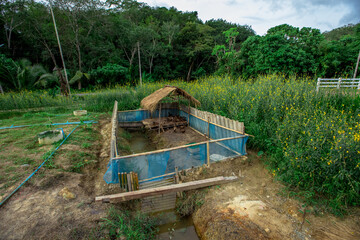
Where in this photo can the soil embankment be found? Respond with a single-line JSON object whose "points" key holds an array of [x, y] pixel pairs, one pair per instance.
{"points": [[252, 208]]}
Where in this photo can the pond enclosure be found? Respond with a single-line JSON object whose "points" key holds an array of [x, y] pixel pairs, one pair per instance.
{"points": [[225, 138]]}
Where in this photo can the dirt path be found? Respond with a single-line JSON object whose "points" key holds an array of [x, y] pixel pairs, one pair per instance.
{"points": [[252, 208], [44, 209]]}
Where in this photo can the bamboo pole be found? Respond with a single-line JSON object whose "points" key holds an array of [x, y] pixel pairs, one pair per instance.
{"points": [[152, 178], [174, 148]]}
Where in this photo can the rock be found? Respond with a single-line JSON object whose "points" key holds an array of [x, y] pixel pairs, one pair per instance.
{"points": [[50, 137], [263, 184], [267, 230], [66, 194], [80, 112], [25, 165]]}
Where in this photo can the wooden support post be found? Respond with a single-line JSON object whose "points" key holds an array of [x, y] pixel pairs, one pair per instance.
{"points": [[189, 114], [176, 175], [159, 117], [208, 154], [339, 83], [121, 197], [208, 133]]}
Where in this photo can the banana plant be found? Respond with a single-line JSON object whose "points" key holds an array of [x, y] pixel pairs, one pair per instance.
{"points": [[78, 78]]}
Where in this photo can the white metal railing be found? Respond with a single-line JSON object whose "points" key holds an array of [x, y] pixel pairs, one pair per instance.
{"points": [[338, 83]]}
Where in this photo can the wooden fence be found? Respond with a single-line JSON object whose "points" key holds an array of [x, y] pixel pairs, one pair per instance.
{"points": [[338, 83], [215, 119]]}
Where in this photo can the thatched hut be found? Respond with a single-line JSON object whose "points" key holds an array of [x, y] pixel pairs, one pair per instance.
{"points": [[152, 101]]}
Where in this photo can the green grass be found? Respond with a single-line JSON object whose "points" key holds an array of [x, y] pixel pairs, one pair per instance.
{"points": [[127, 225], [20, 146]]}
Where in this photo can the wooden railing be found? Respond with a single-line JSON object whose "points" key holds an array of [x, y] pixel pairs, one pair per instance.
{"points": [[338, 83]]}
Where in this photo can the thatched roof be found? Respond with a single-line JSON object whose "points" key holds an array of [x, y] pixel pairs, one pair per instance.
{"points": [[151, 101]]}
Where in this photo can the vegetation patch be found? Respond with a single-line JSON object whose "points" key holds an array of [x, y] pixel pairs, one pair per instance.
{"points": [[127, 225]]}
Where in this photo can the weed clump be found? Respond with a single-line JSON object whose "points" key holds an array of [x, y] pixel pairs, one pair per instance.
{"points": [[125, 225]]}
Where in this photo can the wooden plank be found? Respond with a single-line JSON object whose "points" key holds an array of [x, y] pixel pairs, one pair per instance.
{"points": [[121, 197]]}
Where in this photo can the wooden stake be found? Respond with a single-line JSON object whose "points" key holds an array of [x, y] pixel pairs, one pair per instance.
{"points": [[125, 181], [119, 175], [128, 182]]}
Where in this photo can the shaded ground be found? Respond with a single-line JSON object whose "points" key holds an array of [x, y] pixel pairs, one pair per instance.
{"points": [[252, 208], [171, 138]]}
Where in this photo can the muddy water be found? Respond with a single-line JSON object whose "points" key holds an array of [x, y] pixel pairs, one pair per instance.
{"points": [[175, 228], [140, 142], [171, 225]]}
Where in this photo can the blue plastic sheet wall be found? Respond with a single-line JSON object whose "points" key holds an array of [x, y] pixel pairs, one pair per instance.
{"points": [[140, 115], [156, 164]]}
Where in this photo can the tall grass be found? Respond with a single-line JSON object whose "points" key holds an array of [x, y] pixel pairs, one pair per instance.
{"points": [[312, 139]]}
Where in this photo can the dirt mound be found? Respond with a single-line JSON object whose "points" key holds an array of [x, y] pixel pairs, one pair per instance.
{"points": [[252, 207]]}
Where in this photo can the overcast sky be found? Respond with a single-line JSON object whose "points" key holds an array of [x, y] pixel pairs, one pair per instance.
{"points": [[264, 14]]}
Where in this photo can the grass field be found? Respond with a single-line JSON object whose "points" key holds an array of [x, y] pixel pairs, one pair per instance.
{"points": [[311, 140], [21, 153]]}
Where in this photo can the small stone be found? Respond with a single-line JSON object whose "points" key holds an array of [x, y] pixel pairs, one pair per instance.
{"points": [[263, 184], [267, 230], [260, 214], [268, 196], [66, 194], [25, 165]]}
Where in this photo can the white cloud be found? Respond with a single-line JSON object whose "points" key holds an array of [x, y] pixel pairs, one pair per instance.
{"points": [[264, 14]]}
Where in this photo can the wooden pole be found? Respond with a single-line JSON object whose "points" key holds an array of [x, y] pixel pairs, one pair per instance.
{"points": [[208, 154], [208, 127], [174, 148], [189, 114], [357, 65], [176, 175], [159, 117], [60, 49]]}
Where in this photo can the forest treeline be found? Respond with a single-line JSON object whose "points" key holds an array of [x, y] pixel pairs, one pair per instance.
{"points": [[111, 42]]}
